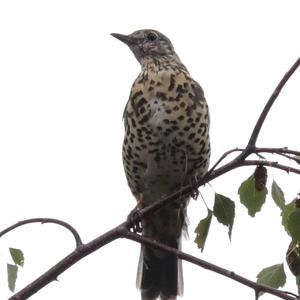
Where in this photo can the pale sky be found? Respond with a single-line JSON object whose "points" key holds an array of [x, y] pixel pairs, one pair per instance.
{"points": [[64, 82]]}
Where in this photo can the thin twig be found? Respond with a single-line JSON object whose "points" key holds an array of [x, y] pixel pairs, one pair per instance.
{"points": [[45, 220], [222, 158], [263, 115], [79, 253], [283, 150]]}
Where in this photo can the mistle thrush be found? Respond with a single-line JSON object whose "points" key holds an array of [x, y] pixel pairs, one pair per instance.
{"points": [[166, 146]]}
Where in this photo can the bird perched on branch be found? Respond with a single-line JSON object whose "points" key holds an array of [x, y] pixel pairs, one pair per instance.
{"points": [[166, 146]]}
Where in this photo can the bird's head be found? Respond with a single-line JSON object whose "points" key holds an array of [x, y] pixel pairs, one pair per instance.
{"points": [[148, 44]]}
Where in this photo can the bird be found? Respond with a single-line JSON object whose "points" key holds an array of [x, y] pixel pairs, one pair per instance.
{"points": [[166, 146]]}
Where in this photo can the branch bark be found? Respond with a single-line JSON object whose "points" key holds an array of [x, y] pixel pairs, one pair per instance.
{"points": [[43, 221]]}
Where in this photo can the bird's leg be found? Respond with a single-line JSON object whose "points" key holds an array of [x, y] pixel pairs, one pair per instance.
{"points": [[134, 217]]}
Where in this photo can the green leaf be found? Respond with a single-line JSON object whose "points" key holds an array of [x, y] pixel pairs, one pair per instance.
{"points": [[12, 273], [251, 197], [277, 195], [224, 211], [285, 214], [273, 276], [293, 225], [298, 283], [202, 230], [17, 256], [293, 258]]}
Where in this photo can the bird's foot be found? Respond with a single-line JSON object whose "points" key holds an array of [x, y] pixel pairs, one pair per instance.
{"points": [[195, 192], [134, 218]]}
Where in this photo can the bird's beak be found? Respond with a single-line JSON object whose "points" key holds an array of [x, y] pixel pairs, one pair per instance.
{"points": [[126, 39]]}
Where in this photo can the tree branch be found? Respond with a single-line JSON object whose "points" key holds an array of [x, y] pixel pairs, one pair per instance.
{"points": [[258, 288], [45, 220], [263, 115], [80, 252]]}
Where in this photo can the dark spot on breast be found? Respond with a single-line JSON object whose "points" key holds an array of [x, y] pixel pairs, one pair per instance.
{"points": [[178, 97], [189, 110], [151, 88], [152, 81], [180, 89], [135, 95], [166, 121], [168, 111], [153, 151], [172, 82], [191, 95], [180, 118], [141, 102], [175, 108], [186, 128], [157, 158], [155, 143], [138, 163], [182, 104], [133, 123], [142, 110], [191, 136], [158, 83], [161, 96], [145, 118]]}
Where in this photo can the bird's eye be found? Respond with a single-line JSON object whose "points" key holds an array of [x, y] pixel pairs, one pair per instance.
{"points": [[151, 36]]}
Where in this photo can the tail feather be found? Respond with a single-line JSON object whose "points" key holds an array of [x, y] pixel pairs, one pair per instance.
{"points": [[160, 274]]}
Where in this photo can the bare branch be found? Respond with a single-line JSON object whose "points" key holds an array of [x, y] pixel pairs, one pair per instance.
{"points": [[79, 253], [258, 288], [263, 115], [45, 220]]}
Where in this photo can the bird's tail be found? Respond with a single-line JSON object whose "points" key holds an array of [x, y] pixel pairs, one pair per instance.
{"points": [[160, 273]]}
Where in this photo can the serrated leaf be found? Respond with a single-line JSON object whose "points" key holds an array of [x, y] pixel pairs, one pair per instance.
{"points": [[224, 211], [273, 276], [277, 195], [12, 273], [285, 214], [17, 256], [251, 197], [202, 230], [293, 225]]}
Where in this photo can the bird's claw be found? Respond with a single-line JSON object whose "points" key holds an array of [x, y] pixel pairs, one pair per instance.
{"points": [[134, 220], [195, 192]]}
